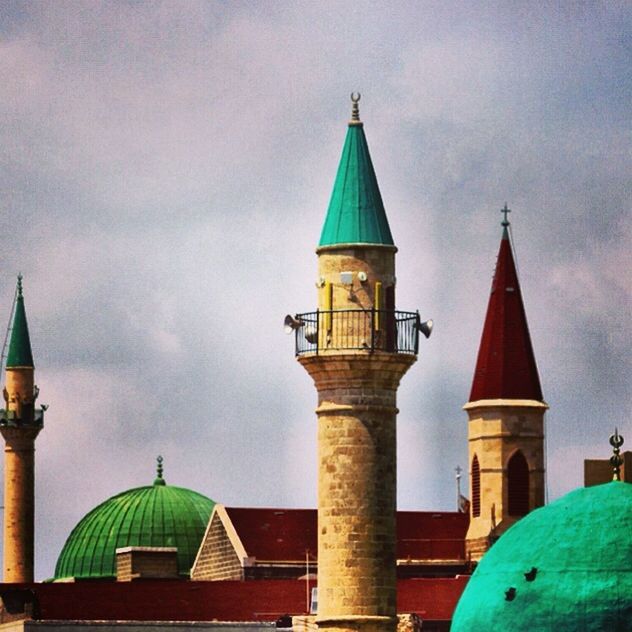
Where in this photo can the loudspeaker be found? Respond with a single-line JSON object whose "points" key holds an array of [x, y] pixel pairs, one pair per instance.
{"points": [[291, 324], [311, 334], [426, 328]]}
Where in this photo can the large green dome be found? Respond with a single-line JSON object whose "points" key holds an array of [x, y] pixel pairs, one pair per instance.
{"points": [[157, 515], [577, 557]]}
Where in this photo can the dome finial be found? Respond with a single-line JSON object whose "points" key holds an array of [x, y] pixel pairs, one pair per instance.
{"points": [[355, 110], [159, 480], [616, 441]]}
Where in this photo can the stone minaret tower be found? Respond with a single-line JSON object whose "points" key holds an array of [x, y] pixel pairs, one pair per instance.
{"points": [[506, 414], [357, 348], [20, 424]]}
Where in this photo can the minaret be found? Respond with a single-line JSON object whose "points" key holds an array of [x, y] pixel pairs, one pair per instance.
{"points": [[20, 424], [506, 414], [357, 348]]}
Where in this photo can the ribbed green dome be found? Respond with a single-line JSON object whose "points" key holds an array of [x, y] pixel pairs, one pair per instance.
{"points": [[158, 515], [581, 549]]}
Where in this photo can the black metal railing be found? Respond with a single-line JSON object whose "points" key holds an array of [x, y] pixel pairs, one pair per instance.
{"points": [[357, 329], [30, 416]]}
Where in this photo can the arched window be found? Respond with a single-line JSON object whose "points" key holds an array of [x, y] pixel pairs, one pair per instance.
{"points": [[518, 485], [475, 477]]}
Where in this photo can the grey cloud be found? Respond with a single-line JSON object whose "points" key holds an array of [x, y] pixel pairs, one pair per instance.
{"points": [[165, 174]]}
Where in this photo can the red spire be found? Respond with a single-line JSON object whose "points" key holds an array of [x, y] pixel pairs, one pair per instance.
{"points": [[505, 368]]}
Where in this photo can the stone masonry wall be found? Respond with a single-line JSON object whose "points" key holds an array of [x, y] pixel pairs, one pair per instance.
{"points": [[218, 559], [146, 562], [357, 487], [495, 432], [19, 502]]}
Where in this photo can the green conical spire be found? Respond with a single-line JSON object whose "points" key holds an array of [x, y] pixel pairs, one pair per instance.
{"points": [[356, 212], [20, 345]]}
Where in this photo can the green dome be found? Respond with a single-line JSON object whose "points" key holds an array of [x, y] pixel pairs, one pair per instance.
{"points": [[157, 515], [581, 549]]}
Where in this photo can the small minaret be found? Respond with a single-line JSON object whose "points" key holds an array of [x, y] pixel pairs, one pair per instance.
{"points": [[506, 414], [20, 424], [357, 348]]}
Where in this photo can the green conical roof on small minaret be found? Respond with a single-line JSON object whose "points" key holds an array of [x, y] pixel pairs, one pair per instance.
{"points": [[20, 354], [356, 212]]}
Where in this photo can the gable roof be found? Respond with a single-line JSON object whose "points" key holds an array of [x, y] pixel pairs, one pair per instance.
{"points": [[505, 367], [284, 535], [275, 534]]}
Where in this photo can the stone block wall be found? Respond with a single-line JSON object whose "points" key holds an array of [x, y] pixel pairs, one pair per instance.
{"points": [[496, 430], [138, 562], [217, 559], [357, 488]]}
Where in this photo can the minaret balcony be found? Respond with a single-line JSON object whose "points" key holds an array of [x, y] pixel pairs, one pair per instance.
{"points": [[10, 418], [359, 330]]}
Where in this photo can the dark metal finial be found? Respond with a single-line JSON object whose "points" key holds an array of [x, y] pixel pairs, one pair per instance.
{"points": [[505, 210], [355, 110], [159, 467], [616, 460], [20, 284], [457, 476]]}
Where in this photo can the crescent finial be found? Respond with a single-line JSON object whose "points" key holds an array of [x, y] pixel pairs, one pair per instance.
{"points": [[616, 460], [355, 110]]}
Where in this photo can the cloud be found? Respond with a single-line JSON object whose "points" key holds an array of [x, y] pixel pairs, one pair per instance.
{"points": [[165, 175]]}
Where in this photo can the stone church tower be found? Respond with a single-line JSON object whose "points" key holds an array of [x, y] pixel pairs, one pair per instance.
{"points": [[357, 348], [506, 414], [20, 424]]}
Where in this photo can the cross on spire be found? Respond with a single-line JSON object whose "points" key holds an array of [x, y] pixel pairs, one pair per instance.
{"points": [[505, 211]]}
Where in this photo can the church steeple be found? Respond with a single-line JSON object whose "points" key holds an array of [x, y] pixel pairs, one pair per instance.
{"points": [[506, 367], [506, 413], [356, 212], [20, 354]]}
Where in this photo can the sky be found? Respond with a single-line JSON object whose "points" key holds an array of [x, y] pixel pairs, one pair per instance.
{"points": [[165, 172]]}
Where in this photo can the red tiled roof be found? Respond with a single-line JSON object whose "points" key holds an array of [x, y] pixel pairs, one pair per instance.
{"points": [[285, 534], [505, 368], [430, 535], [168, 600], [276, 534]]}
